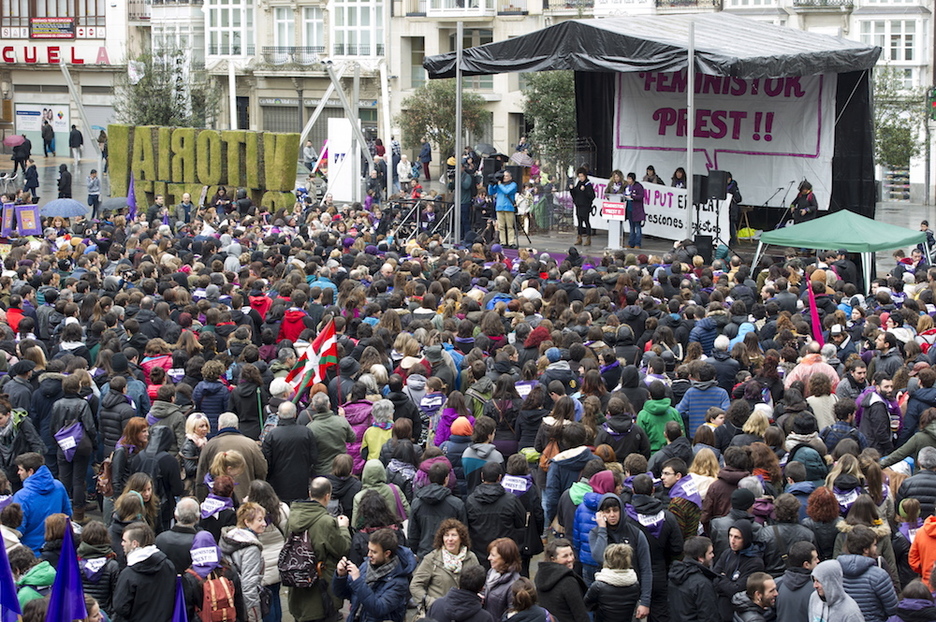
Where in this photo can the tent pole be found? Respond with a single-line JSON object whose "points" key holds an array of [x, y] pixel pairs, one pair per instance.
{"points": [[690, 129], [459, 139], [757, 254], [867, 270]]}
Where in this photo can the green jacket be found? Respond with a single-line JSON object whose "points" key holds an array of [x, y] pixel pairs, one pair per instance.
{"points": [[374, 477], [41, 575], [652, 419], [332, 435], [330, 543], [924, 438]]}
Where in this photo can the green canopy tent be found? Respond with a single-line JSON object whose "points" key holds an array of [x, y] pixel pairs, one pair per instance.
{"points": [[844, 229]]}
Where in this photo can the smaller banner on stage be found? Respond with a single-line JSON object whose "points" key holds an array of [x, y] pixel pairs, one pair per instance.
{"points": [[667, 210], [6, 220], [28, 217]]}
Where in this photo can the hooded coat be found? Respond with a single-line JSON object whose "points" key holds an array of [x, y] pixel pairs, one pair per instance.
{"points": [[793, 591], [635, 390], [475, 457], [432, 505], [382, 600], [358, 415], [869, 585], [561, 592], [914, 610], [653, 418], [922, 553], [164, 414], [374, 477], [242, 549], [663, 535], [717, 501], [493, 513], [40, 496], [99, 573], [146, 588], [459, 606], [330, 543], [625, 436], [692, 596], [564, 471], [210, 397], [625, 532], [40, 409], [41, 576], [835, 605], [734, 567], [246, 401]]}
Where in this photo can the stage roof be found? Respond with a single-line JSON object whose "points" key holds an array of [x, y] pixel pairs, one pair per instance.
{"points": [[725, 45]]}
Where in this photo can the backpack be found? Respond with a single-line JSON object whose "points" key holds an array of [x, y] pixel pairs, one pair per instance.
{"points": [[298, 565], [217, 598], [549, 452]]}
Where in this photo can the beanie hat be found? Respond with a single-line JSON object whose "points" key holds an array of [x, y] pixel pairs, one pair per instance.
{"points": [[462, 427], [742, 499], [553, 355]]}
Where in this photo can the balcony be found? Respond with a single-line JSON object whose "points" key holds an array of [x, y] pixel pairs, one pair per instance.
{"points": [[361, 49], [512, 7], [138, 10], [694, 6], [292, 55], [823, 6], [177, 2], [565, 6], [231, 50], [461, 9]]}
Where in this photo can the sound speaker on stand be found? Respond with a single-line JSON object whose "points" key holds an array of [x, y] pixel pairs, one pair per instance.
{"points": [[699, 189], [717, 185]]}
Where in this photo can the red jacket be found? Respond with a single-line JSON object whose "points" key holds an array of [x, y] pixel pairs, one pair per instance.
{"points": [[14, 316], [293, 324]]}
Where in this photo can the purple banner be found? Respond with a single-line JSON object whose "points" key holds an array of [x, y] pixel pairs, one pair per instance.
{"points": [[27, 217], [7, 220]]}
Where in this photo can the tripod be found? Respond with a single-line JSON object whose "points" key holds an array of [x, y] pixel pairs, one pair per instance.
{"points": [[518, 228], [716, 230]]}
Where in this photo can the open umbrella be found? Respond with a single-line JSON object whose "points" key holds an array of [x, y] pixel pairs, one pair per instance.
{"points": [[114, 203], [485, 149], [521, 159], [66, 208], [13, 140]]}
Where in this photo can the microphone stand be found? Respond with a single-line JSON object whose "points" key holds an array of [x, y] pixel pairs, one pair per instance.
{"points": [[783, 203]]}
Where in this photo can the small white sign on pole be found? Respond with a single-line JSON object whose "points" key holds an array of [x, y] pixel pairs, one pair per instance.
{"points": [[340, 168]]}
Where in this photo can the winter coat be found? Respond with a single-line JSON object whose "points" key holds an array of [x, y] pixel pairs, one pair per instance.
{"points": [[290, 451], [211, 398], [40, 408], [146, 589], [246, 401], [475, 457], [561, 592], [99, 573], [432, 580], [272, 540], [18, 390], [459, 606], [826, 534], [169, 415], [374, 477], [492, 513], [691, 593], [837, 605], [176, 543], [793, 591], [633, 389], [624, 435], [40, 496], [560, 371], [68, 410], [332, 434], [704, 332], [582, 525], [497, 596], [564, 471], [734, 567], [242, 549], [679, 448], [384, 599], [922, 487], [919, 400], [231, 439], [330, 543], [23, 438], [653, 418], [431, 505], [875, 423], [816, 468], [717, 500], [745, 610], [913, 445], [870, 586], [625, 532], [922, 553], [726, 369], [41, 576], [914, 610], [662, 531], [358, 415]]}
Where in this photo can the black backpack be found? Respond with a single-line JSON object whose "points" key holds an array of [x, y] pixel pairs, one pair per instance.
{"points": [[298, 565]]}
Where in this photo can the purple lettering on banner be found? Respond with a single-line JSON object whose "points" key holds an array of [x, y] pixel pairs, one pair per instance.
{"points": [[666, 117]]}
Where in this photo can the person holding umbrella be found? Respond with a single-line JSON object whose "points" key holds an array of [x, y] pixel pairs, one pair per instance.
{"points": [[21, 153]]}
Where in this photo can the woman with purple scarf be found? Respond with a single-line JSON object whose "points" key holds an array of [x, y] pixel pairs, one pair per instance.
{"points": [[218, 510], [208, 565]]}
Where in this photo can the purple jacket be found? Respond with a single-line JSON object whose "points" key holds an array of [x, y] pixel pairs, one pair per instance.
{"points": [[444, 431], [636, 193], [358, 415], [422, 474]]}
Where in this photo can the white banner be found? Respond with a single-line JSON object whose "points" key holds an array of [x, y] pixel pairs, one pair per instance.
{"points": [[666, 212], [29, 117], [340, 167], [771, 134]]}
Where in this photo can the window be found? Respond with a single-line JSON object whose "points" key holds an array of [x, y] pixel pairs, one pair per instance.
{"points": [[283, 27], [16, 14], [417, 54], [897, 38], [474, 38], [357, 28], [230, 27], [313, 28]]}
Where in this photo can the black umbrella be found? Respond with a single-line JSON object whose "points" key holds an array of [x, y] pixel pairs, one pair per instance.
{"points": [[114, 203], [485, 149]]}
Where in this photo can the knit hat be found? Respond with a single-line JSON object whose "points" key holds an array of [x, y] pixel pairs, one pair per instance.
{"points": [[434, 354], [462, 427], [119, 362], [602, 482], [553, 355], [22, 367], [742, 499]]}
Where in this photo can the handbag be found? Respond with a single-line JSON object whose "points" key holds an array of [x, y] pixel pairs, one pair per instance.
{"points": [[68, 439], [105, 479]]}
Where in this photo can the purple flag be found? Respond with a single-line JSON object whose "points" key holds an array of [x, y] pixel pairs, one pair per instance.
{"points": [[131, 199], [165, 219], [179, 613], [67, 603], [9, 604]]}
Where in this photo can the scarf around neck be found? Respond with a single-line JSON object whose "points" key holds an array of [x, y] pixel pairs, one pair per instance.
{"points": [[453, 563], [617, 577], [686, 488], [213, 504], [380, 572]]}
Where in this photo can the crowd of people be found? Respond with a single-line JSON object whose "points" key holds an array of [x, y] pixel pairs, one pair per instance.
{"points": [[495, 437]]}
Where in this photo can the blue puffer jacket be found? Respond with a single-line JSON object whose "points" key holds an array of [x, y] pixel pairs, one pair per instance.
{"points": [[211, 398], [40, 496], [704, 331], [584, 521], [870, 586], [382, 600]]}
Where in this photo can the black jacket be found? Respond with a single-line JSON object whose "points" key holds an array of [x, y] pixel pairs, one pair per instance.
{"points": [[291, 452], [726, 369], [527, 425], [793, 591], [116, 411], [459, 606], [176, 543], [733, 570], [746, 611], [65, 185], [99, 582], [69, 409], [40, 408], [343, 491], [921, 486], [692, 596], [146, 590], [680, 448], [493, 513], [403, 406], [612, 602], [431, 505], [667, 545], [23, 439], [245, 401], [561, 592], [624, 436]]}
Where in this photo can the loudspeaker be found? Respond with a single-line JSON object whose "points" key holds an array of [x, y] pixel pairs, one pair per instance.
{"points": [[703, 245], [718, 185], [489, 166], [699, 189], [516, 173]]}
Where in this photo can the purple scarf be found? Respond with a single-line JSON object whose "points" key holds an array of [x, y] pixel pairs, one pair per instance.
{"points": [[91, 568], [687, 489], [214, 504], [5, 500], [846, 497], [605, 368], [653, 523], [909, 530]]}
